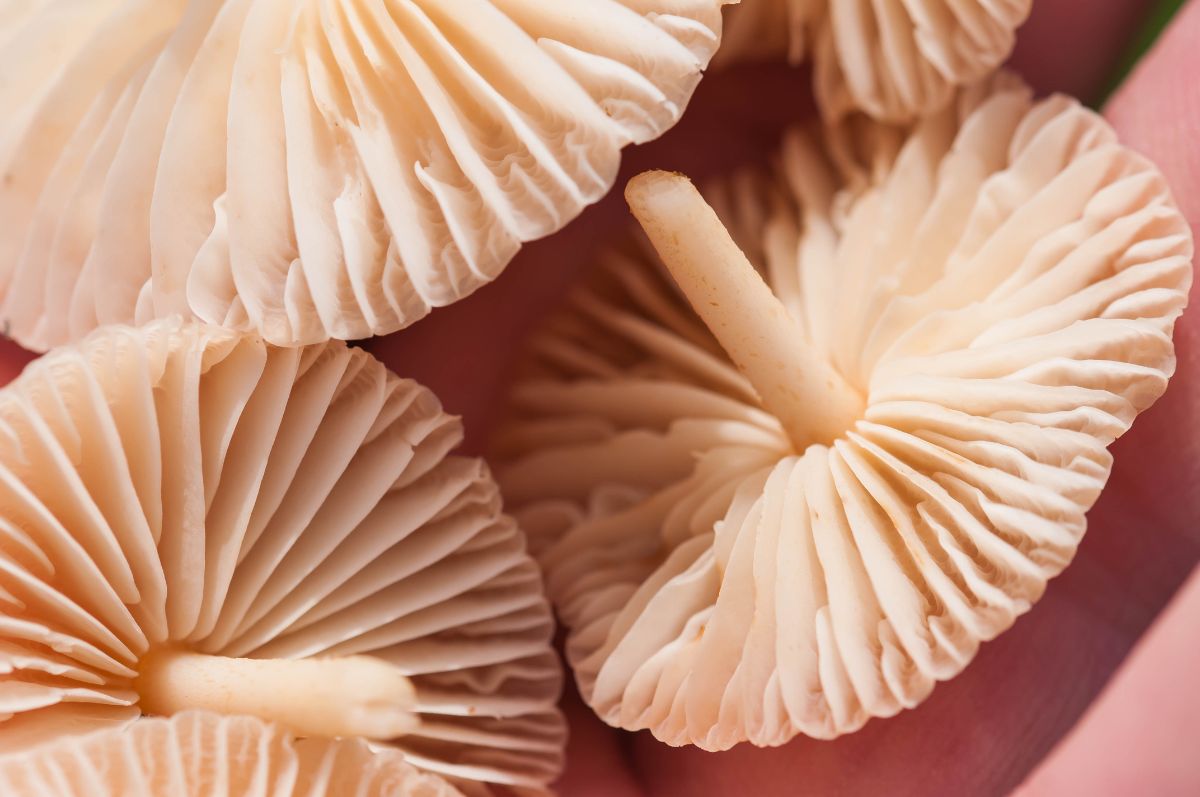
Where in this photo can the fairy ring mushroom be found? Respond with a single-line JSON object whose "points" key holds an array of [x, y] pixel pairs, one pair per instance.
{"points": [[201, 754], [308, 170], [896, 60], [801, 488], [191, 518]]}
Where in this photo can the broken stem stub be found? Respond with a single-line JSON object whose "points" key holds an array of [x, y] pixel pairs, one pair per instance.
{"points": [[351, 696], [813, 402]]}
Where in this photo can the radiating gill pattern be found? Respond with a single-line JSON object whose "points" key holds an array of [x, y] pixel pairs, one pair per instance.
{"points": [[895, 60], [1001, 288], [198, 754], [180, 486], [313, 169]]}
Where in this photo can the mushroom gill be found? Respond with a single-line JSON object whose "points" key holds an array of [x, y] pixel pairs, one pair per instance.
{"points": [[191, 518], [895, 60], [200, 754], [308, 170], [874, 439]]}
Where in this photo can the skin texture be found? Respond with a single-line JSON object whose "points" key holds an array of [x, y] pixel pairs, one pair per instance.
{"points": [[988, 730]]}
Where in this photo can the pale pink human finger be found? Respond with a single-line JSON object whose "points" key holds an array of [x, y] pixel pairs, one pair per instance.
{"points": [[1139, 736]]}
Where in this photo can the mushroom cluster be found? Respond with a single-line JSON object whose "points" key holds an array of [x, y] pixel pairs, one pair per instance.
{"points": [[194, 519], [780, 465], [896, 60], [306, 170], [198, 754], [798, 489]]}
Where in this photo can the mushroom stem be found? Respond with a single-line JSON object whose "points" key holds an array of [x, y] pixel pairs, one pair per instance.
{"points": [[810, 398], [351, 696]]}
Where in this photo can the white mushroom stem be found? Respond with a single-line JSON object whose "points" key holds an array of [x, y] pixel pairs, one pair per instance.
{"points": [[351, 696], [810, 398]]}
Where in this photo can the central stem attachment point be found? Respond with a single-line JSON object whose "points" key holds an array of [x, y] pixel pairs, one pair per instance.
{"points": [[813, 402], [351, 696]]}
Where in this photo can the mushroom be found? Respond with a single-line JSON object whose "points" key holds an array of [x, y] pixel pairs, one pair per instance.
{"points": [[768, 30], [894, 59], [193, 519], [200, 754], [306, 169], [803, 500]]}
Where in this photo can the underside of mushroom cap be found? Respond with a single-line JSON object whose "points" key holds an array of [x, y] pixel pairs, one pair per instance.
{"points": [[199, 754], [1003, 294], [768, 30], [187, 494], [893, 59], [308, 170]]}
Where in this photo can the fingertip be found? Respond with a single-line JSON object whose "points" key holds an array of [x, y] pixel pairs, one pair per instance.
{"points": [[1139, 736], [1157, 110]]}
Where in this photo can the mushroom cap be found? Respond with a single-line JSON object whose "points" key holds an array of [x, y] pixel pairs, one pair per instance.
{"points": [[768, 30], [308, 170], [200, 754], [1003, 296], [894, 59], [180, 485]]}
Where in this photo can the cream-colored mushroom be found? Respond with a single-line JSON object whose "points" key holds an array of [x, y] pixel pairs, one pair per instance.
{"points": [[309, 169], [191, 518], [798, 508], [768, 30], [893, 59], [200, 754]]}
